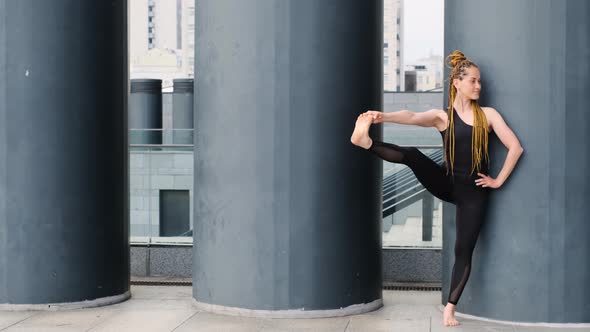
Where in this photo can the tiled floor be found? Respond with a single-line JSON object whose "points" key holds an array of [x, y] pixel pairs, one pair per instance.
{"points": [[169, 308]]}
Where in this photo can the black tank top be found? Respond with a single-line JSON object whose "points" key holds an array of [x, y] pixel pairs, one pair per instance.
{"points": [[462, 164]]}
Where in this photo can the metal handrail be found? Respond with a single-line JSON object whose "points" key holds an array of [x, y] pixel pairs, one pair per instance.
{"points": [[401, 189], [161, 145]]}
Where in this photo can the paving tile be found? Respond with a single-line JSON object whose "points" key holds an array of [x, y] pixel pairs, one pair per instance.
{"points": [[62, 321], [336, 324], [518, 328], [204, 321], [144, 320], [468, 325], [363, 323], [8, 318]]}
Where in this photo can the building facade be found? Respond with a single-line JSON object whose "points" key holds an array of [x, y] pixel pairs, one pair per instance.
{"points": [[162, 39], [393, 56]]}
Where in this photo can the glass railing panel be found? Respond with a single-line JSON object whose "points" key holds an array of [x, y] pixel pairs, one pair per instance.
{"points": [[161, 189], [412, 217]]}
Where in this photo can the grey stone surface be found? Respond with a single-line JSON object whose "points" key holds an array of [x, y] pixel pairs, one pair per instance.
{"points": [[138, 261], [412, 265], [166, 262], [399, 265]]}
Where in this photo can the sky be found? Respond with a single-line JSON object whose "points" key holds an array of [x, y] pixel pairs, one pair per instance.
{"points": [[423, 29]]}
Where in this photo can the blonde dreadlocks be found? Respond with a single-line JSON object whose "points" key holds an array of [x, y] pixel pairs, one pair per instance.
{"points": [[479, 136]]}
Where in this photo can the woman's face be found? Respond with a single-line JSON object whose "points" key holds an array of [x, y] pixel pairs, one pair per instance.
{"points": [[470, 85]]}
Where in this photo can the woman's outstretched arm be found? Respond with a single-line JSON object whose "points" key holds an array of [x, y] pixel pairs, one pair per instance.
{"points": [[510, 141], [432, 118]]}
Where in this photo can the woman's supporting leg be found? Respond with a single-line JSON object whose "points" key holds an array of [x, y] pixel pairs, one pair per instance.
{"points": [[470, 215], [472, 202]]}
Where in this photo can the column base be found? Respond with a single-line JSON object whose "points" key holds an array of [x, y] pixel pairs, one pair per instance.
{"points": [[354, 309], [100, 302], [532, 324]]}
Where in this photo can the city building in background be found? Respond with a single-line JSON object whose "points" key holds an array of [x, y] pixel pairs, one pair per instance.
{"points": [[161, 39], [393, 57], [425, 74]]}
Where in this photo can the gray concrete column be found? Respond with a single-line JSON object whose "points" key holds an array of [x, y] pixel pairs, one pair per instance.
{"points": [[287, 210], [532, 259], [145, 111], [64, 236], [183, 110]]}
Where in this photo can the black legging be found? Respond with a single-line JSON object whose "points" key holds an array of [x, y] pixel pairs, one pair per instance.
{"points": [[471, 202]]}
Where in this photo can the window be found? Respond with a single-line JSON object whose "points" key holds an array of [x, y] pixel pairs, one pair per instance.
{"points": [[174, 213]]}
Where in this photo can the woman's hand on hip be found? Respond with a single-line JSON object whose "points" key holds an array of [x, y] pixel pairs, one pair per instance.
{"points": [[487, 181]]}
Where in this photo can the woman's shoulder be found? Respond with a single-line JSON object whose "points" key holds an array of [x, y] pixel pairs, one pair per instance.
{"points": [[440, 112], [491, 114], [443, 117], [489, 111]]}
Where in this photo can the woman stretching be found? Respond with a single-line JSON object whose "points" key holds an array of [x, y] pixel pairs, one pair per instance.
{"points": [[464, 181]]}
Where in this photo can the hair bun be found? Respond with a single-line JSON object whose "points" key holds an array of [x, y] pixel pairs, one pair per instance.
{"points": [[456, 57]]}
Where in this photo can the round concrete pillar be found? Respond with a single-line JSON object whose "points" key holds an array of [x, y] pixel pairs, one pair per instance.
{"points": [[287, 210], [145, 111], [64, 216], [531, 262], [183, 110]]}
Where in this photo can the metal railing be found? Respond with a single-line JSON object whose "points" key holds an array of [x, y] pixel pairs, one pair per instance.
{"points": [[401, 189]]}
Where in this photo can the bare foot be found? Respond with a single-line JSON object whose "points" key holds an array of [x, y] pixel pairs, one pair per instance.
{"points": [[449, 315], [360, 135]]}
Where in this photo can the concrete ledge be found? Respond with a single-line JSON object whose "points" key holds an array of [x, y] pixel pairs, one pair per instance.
{"points": [[530, 324], [412, 265], [100, 302], [354, 309], [399, 264]]}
